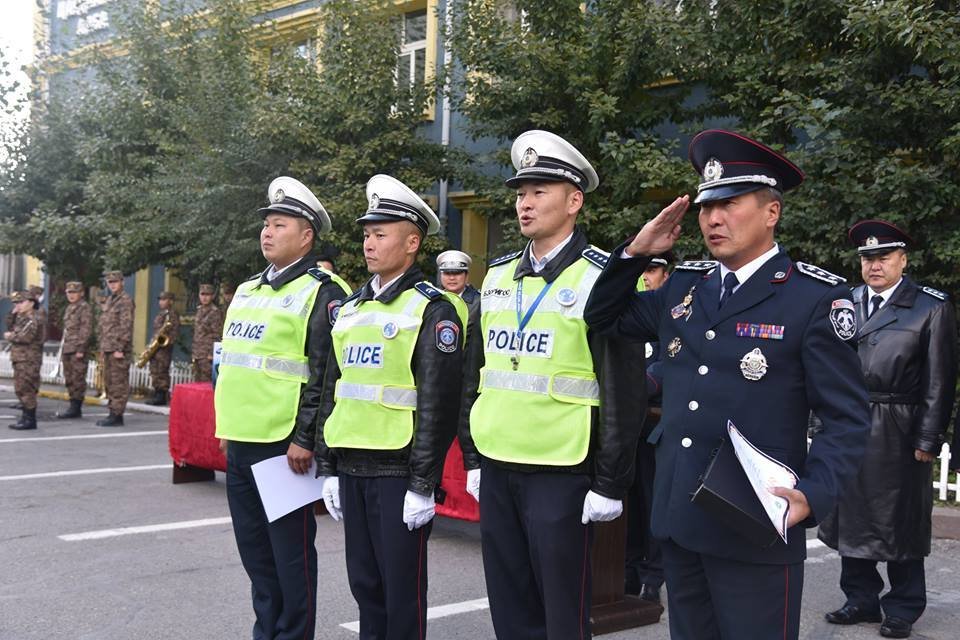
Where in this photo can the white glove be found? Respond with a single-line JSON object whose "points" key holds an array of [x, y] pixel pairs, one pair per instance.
{"points": [[418, 510], [473, 483], [331, 497], [597, 508]]}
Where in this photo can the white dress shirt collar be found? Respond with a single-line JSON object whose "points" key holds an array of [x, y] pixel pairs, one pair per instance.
{"points": [[377, 287], [886, 294], [539, 264], [743, 273]]}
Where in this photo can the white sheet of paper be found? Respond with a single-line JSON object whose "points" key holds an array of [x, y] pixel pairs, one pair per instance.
{"points": [[764, 473], [282, 490]]}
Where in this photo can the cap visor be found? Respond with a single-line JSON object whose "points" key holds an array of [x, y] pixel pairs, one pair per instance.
{"points": [[516, 181], [727, 191]]}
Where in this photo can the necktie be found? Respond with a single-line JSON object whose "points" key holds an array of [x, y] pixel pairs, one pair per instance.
{"points": [[730, 283], [877, 301]]}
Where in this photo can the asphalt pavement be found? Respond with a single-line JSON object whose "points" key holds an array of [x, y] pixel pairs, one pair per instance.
{"points": [[96, 543]]}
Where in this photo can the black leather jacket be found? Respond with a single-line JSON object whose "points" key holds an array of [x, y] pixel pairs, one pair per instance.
{"points": [[328, 298], [615, 425], [438, 377]]}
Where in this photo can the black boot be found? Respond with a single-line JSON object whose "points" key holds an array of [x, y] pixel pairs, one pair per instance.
{"points": [[15, 405], [28, 420], [72, 412], [112, 420], [159, 398]]}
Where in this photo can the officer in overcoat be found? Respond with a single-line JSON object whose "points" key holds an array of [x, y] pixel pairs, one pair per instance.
{"points": [[908, 350], [755, 339]]}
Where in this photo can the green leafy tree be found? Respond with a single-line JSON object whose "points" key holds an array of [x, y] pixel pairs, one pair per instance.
{"points": [[862, 95]]}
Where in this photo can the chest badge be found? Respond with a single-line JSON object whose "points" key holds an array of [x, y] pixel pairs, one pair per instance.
{"points": [[390, 330], [567, 297], [753, 366], [685, 308], [287, 300], [674, 347]]}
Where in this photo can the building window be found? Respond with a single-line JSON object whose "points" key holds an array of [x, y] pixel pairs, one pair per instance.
{"points": [[413, 47]]}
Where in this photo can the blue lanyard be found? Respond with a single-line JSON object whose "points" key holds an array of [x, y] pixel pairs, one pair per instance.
{"points": [[522, 319]]}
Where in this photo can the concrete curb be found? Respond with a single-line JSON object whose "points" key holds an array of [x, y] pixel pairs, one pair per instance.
{"points": [[946, 523], [62, 395]]}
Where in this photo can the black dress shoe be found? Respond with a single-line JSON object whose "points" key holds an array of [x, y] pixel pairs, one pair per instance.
{"points": [[852, 614], [894, 627], [650, 593]]}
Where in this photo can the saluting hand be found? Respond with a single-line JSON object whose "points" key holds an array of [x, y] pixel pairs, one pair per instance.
{"points": [[799, 507], [659, 234]]}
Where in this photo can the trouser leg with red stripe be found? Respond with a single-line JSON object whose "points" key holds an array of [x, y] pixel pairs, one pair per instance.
{"points": [[280, 557], [386, 563], [536, 553], [713, 598]]}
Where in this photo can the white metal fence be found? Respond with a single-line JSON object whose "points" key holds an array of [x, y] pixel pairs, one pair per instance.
{"points": [[946, 490], [139, 377]]}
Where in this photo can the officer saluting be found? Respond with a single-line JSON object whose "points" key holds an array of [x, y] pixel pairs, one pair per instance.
{"points": [[389, 413], [545, 455], [275, 346], [754, 338]]}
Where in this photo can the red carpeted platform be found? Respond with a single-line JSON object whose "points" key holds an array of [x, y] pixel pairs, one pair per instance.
{"points": [[192, 425]]}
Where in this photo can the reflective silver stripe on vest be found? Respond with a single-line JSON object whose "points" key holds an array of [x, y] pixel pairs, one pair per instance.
{"points": [[266, 363], [385, 394], [536, 383]]}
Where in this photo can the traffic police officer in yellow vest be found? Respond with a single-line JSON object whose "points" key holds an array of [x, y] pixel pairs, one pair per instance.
{"points": [[276, 341], [389, 413], [552, 457]]}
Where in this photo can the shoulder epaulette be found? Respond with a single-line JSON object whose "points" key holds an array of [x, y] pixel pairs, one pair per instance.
{"points": [[505, 259], [939, 295], [319, 274], [697, 265], [428, 290], [596, 256], [819, 274], [352, 296]]}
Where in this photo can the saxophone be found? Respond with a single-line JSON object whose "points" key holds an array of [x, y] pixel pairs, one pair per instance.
{"points": [[161, 341]]}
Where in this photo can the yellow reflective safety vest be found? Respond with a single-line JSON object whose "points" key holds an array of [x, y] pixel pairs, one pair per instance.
{"points": [[537, 386], [263, 362], [374, 343]]}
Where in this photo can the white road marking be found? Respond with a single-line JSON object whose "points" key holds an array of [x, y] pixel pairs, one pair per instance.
{"points": [[126, 434], [84, 472], [150, 528], [438, 612]]}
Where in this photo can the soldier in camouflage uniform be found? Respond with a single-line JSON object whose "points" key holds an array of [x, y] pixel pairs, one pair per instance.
{"points": [[77, 329], [115, 329], [207, 329], [226, 296], [160, 362], [26, 354]]}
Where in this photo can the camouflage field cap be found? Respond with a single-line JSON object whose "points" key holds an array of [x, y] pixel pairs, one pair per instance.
{"points": [[207, 288], [113, 276], [167, 295], [74, 287], [226, 287]]}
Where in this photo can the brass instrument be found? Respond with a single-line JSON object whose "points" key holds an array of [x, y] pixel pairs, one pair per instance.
{"points": [[162, 340]]}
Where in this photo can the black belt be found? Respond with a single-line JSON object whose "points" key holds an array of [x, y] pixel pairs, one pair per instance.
{"points": [[894, 398]]}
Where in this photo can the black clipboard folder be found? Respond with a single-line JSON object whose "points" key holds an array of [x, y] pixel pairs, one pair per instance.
{"points": [[726, 493]]}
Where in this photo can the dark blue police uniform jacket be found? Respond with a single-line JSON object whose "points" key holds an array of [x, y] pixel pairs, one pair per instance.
{"points": [[811, 364]]}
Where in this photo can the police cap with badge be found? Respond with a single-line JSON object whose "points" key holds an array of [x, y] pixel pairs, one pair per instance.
{"points": [[876, 237], [453, 261], [389, 200], [663, 259], [541, 156], [291, 197], [731, 165]]}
